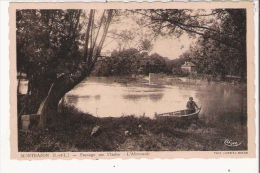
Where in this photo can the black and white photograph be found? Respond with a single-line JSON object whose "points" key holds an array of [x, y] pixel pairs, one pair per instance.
{"points": [[133, 80]]}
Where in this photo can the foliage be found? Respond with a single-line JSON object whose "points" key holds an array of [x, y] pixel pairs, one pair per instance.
{"points": [[221, 34], [47, 46], [46, 39], [54, 53], [224, 55], [57, 49], [130, 61]]}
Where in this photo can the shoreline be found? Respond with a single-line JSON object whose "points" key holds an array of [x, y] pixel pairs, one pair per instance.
{"points": [[72, 133], [129, 133]]}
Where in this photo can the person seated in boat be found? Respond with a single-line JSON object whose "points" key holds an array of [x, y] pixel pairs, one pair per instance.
{"points": [[191, 106]]}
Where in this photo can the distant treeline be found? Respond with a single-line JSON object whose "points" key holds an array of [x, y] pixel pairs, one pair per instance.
{"points": [[131, 61]]}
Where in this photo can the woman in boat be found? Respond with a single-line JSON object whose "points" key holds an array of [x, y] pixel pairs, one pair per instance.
{"points": [[191, 106]]}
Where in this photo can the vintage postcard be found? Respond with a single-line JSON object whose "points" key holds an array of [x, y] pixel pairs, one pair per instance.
{"points": [[132, 80]]}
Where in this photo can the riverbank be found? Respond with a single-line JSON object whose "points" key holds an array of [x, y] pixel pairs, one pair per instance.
{"points": [[190, 80], [72, 133], [219, 120]]}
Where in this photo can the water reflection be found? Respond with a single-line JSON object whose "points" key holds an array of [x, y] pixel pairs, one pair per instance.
{"points": [[156, 97], [222, 102], [137, 97], [104, 97], [72, 99], [134, 97], [114, 99], [97, 97]]}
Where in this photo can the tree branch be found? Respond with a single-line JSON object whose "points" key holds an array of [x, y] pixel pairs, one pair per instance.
{"points": [[109, 19], [87, 37]]}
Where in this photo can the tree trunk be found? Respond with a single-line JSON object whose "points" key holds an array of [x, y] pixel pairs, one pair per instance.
{"points": [[48, 109]]}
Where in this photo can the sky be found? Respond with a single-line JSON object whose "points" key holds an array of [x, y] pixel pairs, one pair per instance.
{"points": [[166, 47], [172, 47]]}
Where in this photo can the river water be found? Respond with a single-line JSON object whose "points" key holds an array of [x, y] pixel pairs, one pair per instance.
{"points": [[103, 97]]}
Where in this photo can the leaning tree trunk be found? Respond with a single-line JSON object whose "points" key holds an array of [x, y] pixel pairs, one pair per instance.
{"points": [[49, 107]]}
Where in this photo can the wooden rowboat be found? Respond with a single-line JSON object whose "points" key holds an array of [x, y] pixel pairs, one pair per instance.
{"points": [[178, 114]]}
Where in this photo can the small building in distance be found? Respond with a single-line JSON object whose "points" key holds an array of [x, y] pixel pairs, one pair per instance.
{"points": [[188, 67]]}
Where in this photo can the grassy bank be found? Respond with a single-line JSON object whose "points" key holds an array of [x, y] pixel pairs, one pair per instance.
{"points": [[73, 133]]}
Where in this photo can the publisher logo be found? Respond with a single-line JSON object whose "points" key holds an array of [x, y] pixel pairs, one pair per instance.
{"points": [[231, 143]]}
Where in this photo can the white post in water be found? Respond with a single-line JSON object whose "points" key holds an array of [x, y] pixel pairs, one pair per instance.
{"points": [[151, 77]]}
